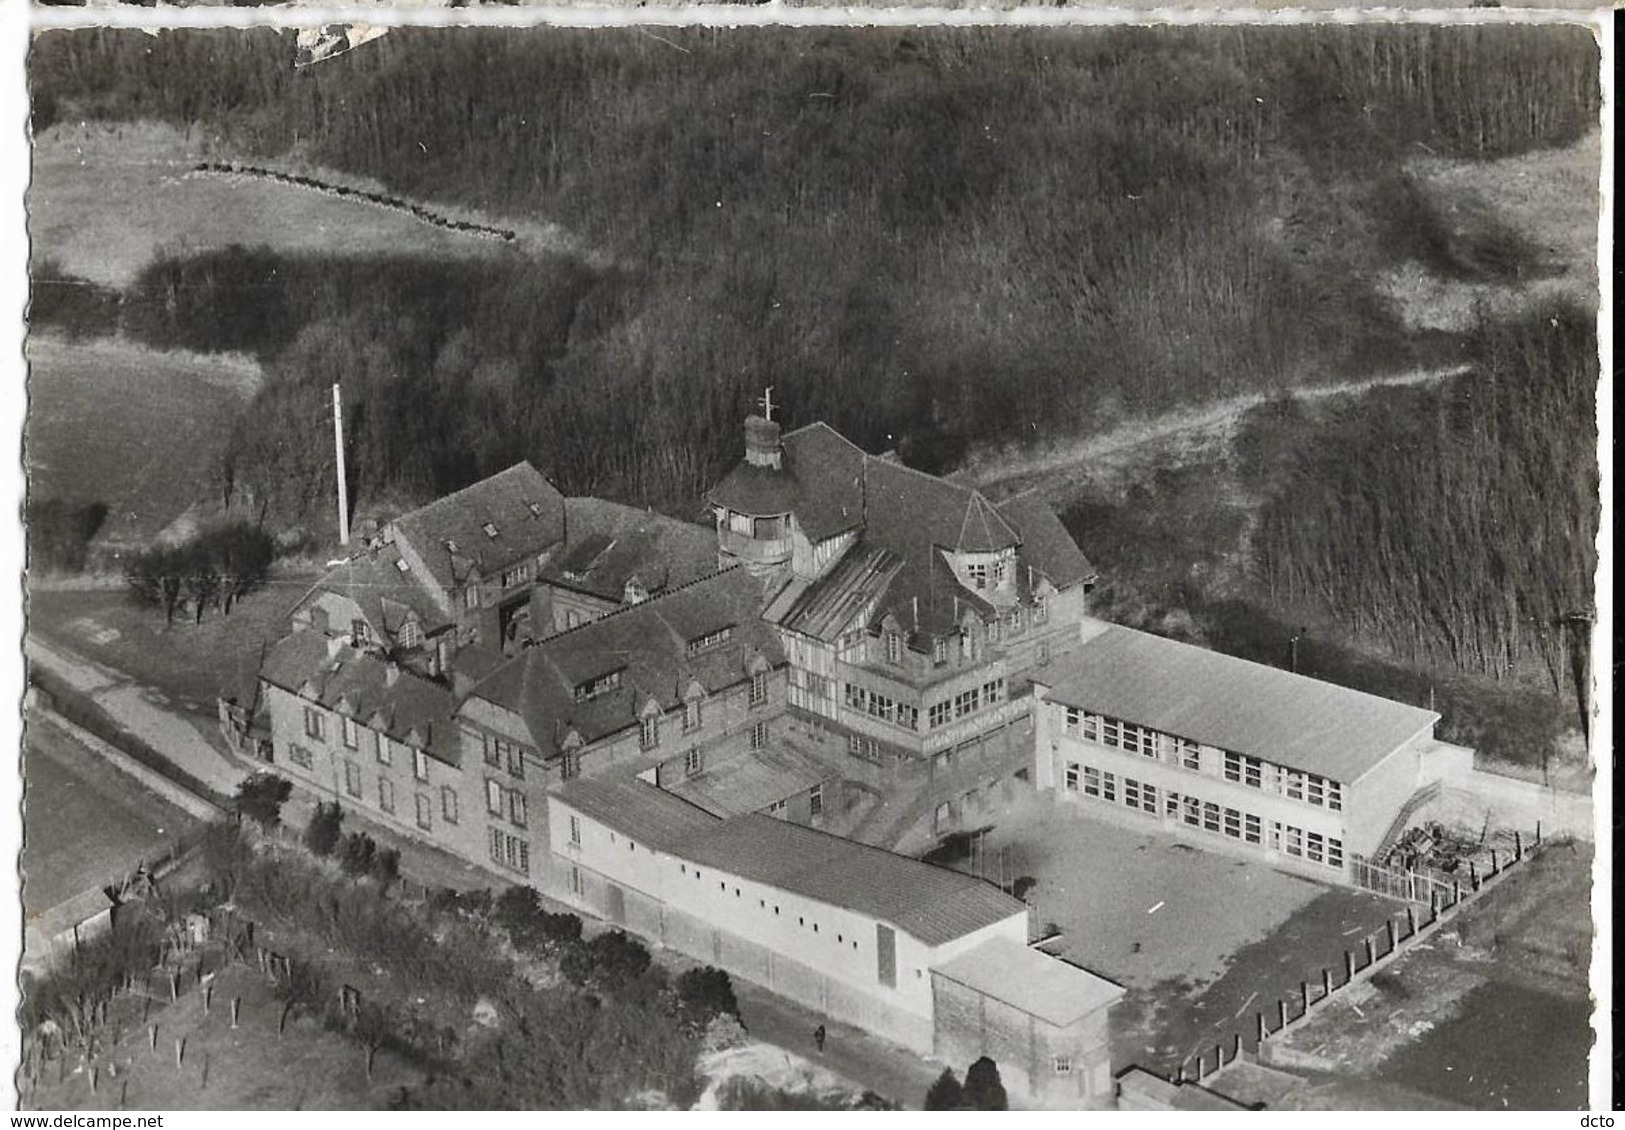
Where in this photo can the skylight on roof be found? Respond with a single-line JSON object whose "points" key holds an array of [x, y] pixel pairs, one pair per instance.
{"points": [[490, 529], [451, 545], [403, 566]]}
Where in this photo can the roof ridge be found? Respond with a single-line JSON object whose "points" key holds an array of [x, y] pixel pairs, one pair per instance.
{"points": [[436, 502]]}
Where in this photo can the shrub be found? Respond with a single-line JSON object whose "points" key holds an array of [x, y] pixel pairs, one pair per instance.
{"points": [[945, 1093], [706, 993], [325, 827], [984, 1090], [386, 866], [356, 857], [260, 798]]}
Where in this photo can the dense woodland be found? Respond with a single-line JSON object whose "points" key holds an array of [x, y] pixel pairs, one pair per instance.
{"points": [[930, 238], [1455, 524]]}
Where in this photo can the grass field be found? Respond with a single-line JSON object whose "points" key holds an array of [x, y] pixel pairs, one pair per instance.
{"points": [[69, 789], [105, 199], [114, 422]]}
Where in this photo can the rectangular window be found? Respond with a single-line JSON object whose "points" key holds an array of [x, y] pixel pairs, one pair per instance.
{"points": [[603, 684], [493, 750], [1294, 784], [386, 794], [1253, 770], [993, 692], [1131, 792], [1232, 766], [1193, 811], [1073, 771], [758, 736], [1171, 806], [1317, 790], [471, 597], [1074, 720], [815, 800], [1149, 799], [649, 732], [1334, 852], [1091, 781], [299, 755], [1315, 846], [315, 724], [1294, 840], [493, 797], [352, 735], [575, 829], [448, 804], [575, 880], [693, 762], [1040, 609], [570, 766], [939, 650], [425, 812], [1189, 754], [1133, 737], [709, 640], [1232, 823], [967, 702], [420, 765], [908, 717], [855, 696], [1334, 796], [516, 762], [380, 746], [1063, 1065], [940, 714], [779, 809], [516, 808], [977, 572], [1108, 786], [352, 778], [1254, 832], [758, 689], [691, 715], [894, 647], [498, 845]]}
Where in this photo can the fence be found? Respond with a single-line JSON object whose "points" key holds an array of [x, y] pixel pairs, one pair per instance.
{"points": [[1358, 965], [1424, 887]]}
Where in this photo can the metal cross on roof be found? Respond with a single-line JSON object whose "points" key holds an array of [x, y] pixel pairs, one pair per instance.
{"points": [[767, 403]]}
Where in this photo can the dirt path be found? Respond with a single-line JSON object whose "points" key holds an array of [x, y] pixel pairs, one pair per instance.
{"points": [[1054, 469]]}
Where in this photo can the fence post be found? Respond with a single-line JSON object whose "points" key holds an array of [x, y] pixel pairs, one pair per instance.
{"points": [[1410, 923], [1370, 952], [1455, 892], [1325, 983], [1348, 966], [1472, 873], [1495, 862], [1393, 938], [1303, 991], [236, 1009], [1537, 833], [180, 1052], [1235, 1048], [152, 1037], [1280, 1015], [1263, 1033], [1517, 845]]}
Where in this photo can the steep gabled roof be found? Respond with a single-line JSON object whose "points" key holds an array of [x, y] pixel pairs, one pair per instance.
{"points": [[610, 544], [645, 647], [357, 683], [452, 535], [927, 902], [386, 594], [1234, 704], [1046, 545]]}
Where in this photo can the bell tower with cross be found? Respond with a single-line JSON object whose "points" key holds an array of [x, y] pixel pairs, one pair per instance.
{"points": [[763, 447]]}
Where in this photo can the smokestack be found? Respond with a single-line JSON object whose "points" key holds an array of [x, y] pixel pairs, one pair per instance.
{"points": [[338, 447], [762, 444]]}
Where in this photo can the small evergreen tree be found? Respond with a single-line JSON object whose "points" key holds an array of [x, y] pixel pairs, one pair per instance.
{"points": [[386, 866], [705, 993], [356, 856], [984, 1090], [945, 1093], [325, 827], [260, 798]]}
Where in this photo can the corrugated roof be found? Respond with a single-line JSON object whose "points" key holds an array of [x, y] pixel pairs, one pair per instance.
{"points": [[1034, 982], [522, 506], [648, 644], [1235, 704], [751, 783], [646, 814], [927, 902], [411, 705], [824, 608]]}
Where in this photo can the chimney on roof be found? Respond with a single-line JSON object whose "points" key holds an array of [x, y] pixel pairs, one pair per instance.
{"points": [[763, 447]]}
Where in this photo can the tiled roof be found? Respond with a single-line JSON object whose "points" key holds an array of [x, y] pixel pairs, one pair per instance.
{"points": [[1234, 704], [384, 592], [646, 814], [753, 782], [336, 673], [1046, 545], [820, 482], [522, 506], [910, 512], [609, 544], [1034, 982], [927, 902], [648, 644]]}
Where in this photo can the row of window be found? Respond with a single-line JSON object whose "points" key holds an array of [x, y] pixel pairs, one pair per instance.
{"points": [[880, 706], [505, 803], [512, 852], [762, 904], [503, 754], [1250, 771], [1206, 815], [351, 733], [965, 703], [649, 725], [355, 786]]}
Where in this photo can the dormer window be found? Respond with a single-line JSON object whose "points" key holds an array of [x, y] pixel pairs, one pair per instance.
{"points": [[451, 546], [649, 732], [977, 571], [535, 509], [710, 640], [490, 529], [894, 647], [603, 684]]}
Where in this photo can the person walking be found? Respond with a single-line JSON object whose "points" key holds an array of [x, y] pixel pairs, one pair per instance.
{"points": [[818, 1038]]}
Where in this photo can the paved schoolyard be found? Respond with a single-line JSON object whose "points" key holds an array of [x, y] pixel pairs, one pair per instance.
{"points": [[1139, 907]]}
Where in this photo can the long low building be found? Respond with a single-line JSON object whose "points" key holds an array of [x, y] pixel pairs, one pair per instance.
{"points": [[930, 958], [1243, 757]]}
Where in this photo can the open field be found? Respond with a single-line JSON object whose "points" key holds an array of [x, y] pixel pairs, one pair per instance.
{"points": [[189, 665], [1491, 1013], [105, 199], [68, 789], [134, 428]]}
